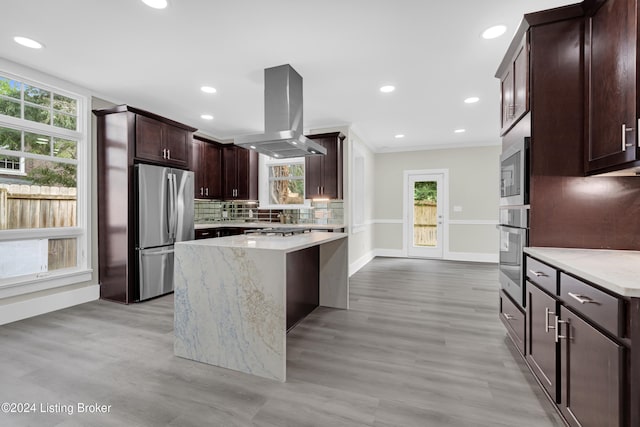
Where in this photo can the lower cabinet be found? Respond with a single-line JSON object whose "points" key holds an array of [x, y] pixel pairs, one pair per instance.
{"points": [[513, 319], [542, 348], [578, 347], [592, 373]]}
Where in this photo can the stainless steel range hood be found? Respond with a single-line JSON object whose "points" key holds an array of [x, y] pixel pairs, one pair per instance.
{"points": [[282, 137]]}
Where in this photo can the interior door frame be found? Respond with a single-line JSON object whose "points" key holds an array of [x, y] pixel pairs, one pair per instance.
{"points": [[445, 208]]}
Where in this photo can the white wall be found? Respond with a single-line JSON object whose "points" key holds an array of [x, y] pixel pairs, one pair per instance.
{"points": [[473, 186]]}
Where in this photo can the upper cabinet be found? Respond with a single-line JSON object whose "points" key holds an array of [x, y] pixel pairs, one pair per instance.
{"points": [[239, 173], [323, 174], [514, 85], [162, 142], [207, 165], [610, 53]]}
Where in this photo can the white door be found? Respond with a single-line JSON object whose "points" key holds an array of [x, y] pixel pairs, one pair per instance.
{"points": [[425, 215]]}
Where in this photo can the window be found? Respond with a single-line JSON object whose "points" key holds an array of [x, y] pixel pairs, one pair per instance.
{"points": [[43, 182], [286, 182]]}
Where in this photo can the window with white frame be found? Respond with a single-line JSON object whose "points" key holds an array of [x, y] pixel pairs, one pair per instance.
{"points": [[286, 181], [43, 181]]}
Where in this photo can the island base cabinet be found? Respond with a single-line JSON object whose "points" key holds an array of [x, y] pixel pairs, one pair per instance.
{"points": [[303, 284], [591, 372], [542, 349]]}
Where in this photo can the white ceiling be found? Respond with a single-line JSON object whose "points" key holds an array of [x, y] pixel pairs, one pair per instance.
{"points": [[345, 50]]}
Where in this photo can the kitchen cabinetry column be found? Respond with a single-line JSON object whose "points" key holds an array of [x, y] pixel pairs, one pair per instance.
{"points": [[323, 174]]}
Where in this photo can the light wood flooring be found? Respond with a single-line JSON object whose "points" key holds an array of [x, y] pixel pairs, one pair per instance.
{"points": [[421, 346]]}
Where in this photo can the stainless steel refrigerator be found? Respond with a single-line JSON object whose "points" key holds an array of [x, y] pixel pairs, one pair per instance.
{"points": [[164, 215]]}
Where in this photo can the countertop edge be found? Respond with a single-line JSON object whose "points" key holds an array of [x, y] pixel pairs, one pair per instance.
{"points": [[581, 263], [230, 242], [229, 224]]}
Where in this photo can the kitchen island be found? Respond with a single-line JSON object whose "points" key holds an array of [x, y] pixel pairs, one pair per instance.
{"points": [[236, 296]]}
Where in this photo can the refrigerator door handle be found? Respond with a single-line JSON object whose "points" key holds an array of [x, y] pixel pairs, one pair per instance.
{"points": [[170, 208], [175, 207], [168, 251]]}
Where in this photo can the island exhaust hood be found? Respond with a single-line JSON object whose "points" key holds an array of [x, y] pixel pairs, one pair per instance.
{"points": [[282, 137]]}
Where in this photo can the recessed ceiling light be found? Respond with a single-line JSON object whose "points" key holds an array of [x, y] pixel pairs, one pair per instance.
{"points": [[493, 32], [387, 89], [471, 100], [208, 89], [460, 130], [276, 155], [27, 42], [253, 147], [294, 143], [206, 117], [156, 4], [399, 136]]}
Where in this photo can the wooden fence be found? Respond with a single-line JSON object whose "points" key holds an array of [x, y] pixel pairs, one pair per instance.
{"points": [[34, 206], [425, 223]]}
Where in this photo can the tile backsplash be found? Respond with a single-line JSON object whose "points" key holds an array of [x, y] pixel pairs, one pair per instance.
{"points": [[319, 212]]}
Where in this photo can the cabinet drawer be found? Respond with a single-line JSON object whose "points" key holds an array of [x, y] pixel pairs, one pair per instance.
{"points": [[600, 307], [543, 275], [513, 320], [205, 233]]}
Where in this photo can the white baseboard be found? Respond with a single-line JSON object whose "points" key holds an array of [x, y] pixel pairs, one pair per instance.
{"points": [[452, 256], [354, 267], [471, 256], [392, 253], [47, 303]]}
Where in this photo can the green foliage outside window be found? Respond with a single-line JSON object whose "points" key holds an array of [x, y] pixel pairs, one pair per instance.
{"points": [[425, 191]]}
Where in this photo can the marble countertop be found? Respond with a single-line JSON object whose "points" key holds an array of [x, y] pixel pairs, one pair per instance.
{"points": [[265, 224], [617, 271], [275, 243]]}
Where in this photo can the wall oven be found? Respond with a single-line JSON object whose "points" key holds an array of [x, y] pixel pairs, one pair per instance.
{"points": [[514, 236], [514, 174]]}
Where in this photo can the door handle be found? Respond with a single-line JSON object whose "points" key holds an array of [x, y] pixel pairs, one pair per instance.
{"points": [[508, 316], [201, 191], [557, 328], [547, 326], [164, 153], [169, 154], [206, 191]]}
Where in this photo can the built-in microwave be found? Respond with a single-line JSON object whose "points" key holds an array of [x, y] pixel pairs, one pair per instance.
{"points": [[514, 174]]}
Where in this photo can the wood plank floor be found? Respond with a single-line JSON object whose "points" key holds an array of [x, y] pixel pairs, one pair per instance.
{"points": [[421, 346]]}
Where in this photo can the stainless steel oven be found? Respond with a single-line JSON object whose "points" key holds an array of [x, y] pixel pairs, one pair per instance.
{"points": [[514, 174], [514, 236]]}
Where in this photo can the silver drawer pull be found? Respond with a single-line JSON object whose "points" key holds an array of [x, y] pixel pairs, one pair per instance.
{"points": [[582, 299], [508, 316], [538, 273], [557, 328]]}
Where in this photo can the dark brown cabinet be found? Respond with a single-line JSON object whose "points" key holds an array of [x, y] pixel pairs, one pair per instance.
{"points": [[576, 347], [206, 162], [323, 174], [239, 173], [514, 86], [160, 142], [514, 320], [611, 43], [542, 353], [591, 375], [126, 136]]}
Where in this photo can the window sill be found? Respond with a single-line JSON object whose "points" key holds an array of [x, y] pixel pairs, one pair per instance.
{"points": [[15, 286]]}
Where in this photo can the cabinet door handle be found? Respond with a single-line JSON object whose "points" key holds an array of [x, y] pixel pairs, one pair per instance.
{"points": [[538, 273], [508, 316], [582, 299], [205, 234], [201, 191], [169, 154], [557, 328], [547, 326], [625, 129], [206, 191], [164, 153]]}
